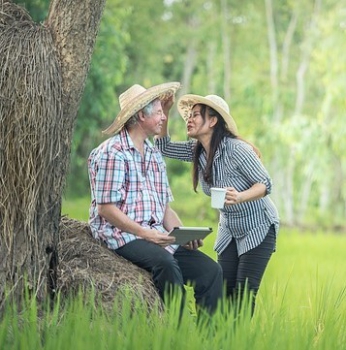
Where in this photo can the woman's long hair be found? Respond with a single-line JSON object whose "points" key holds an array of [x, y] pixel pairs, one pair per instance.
{"points": [[220, 131]]}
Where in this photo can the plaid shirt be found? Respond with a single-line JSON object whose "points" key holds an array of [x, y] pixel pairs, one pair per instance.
{"points": [[138, 187], [235, 164]]}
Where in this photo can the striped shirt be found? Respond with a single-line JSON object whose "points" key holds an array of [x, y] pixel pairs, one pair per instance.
{"points": [[235, 165], [138, 187]]}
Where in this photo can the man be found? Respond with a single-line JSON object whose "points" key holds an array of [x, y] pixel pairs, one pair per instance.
{"points": [[130, 209]]}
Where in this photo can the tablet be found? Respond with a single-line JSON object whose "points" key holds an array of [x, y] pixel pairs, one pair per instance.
{"points": [[183, 235]]}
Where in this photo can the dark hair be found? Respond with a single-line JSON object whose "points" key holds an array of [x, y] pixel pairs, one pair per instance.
{"points": [[220, 131]]}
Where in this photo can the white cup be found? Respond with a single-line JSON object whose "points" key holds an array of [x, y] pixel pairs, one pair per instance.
{"points": [[218, 196]]}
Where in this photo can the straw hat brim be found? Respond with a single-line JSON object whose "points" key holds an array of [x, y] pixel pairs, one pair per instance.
{"points": [[186, 103], [135, 104]]}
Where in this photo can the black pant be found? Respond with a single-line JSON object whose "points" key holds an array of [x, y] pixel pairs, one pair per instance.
{"points": [[185, 266], [244, 273]]}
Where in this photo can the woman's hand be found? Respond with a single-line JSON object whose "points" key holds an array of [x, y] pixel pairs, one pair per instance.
{"points": [[167, 104], [256, 191], [232, 196]]}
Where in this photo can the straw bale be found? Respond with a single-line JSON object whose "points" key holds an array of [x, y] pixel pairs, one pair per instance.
{"points": [[86, 264]]}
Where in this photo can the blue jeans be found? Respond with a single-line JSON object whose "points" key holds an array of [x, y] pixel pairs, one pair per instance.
{"points": [[184, 266], [246, 270]]}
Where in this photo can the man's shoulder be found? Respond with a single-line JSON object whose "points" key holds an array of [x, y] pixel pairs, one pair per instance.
{"points": [[114, 142], [109, 146]]}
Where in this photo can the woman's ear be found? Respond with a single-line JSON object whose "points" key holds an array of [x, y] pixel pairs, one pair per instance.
{"points": [[212, 122]]}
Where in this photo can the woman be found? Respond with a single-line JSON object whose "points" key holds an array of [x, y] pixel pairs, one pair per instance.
{"points": [[249, 221]]}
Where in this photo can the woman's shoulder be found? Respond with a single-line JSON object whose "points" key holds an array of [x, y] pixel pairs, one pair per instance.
{"points": [[236, 150], [235, 143]]}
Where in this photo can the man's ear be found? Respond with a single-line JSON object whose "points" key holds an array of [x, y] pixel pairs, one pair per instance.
{"points": [[141, 115]]}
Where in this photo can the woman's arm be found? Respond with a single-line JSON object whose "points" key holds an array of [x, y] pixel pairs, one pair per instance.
{"points": [[253, 173], [256, 191], [182, 150]]}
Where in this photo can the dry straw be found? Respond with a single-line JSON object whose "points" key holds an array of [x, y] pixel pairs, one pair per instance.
{"points": [[85, 264], [137, 97]]}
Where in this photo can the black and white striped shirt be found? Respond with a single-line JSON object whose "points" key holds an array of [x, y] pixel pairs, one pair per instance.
{"points": [[235, 165]]}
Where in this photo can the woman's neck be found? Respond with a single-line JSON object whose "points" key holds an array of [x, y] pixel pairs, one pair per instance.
{"points": [[205, 142]]}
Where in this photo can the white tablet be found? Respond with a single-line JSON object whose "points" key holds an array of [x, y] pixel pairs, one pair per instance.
{"points": [[183, 235]]}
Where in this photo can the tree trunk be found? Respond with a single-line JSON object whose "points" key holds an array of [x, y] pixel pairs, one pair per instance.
{"points": [[307, 47], [226, 47], [211, 66], [274, 62], [189, 66], [44, 69]]}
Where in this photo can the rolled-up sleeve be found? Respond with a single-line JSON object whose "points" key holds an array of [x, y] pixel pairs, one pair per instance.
{"points": [[251, 167]]}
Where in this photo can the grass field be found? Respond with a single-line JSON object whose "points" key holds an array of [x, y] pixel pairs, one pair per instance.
{"points": [[301, 305]]}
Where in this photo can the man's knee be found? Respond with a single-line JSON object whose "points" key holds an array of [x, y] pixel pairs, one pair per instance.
{"points": [[167, 269]]}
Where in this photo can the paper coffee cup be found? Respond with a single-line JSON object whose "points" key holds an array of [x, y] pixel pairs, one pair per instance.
{"points": [[218, 197]]}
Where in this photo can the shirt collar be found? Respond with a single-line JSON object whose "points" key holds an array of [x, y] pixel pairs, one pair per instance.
{"points": [[222, 145], [128, 144]]}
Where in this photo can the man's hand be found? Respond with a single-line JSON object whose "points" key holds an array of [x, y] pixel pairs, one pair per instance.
{"points": [[194, 245], [157, 237]]}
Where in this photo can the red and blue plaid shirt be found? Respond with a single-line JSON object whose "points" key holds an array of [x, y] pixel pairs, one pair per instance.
{"points": [[138, 187]]}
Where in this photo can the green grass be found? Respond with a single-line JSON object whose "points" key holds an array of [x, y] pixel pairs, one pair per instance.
{"points": [[301, 305], [77, 208]]}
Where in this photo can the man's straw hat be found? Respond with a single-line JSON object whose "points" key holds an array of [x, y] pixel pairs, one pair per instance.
{"points": [[186, 103], [136, 98]]}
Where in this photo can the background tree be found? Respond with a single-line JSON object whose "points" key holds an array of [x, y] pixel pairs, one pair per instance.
{"points": [[281, 64], [99, 102], [281, 67]]}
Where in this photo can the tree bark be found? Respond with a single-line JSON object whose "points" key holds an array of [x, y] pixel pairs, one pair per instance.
{"points": [[29, 230]]}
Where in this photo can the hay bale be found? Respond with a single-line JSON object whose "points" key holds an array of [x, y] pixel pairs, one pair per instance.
{"points": [[85, 264]]}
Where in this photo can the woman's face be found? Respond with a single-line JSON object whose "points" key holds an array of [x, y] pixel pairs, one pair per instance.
{"points": [[198, 127]]}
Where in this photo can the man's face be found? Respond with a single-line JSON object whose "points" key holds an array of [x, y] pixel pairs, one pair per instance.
{"points": [[153, 122]]}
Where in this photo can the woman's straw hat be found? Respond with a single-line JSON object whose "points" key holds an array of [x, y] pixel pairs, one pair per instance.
{"points": [[136, 98], [186, 103]]}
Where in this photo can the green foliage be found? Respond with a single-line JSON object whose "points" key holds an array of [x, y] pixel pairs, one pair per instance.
{"points": [[99, 104], [287, 98]]}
